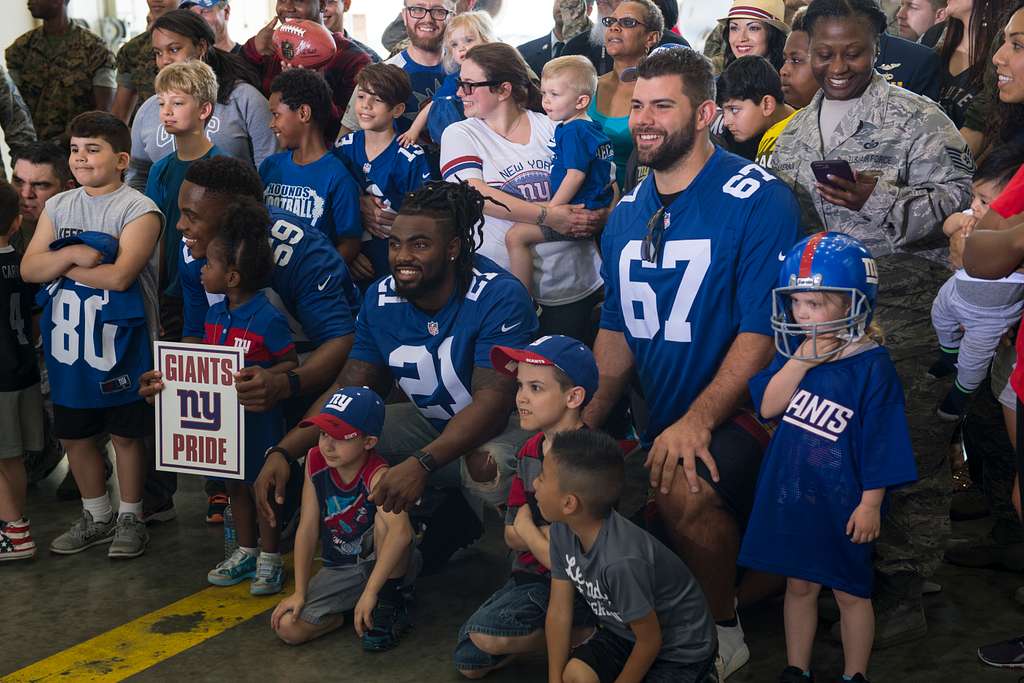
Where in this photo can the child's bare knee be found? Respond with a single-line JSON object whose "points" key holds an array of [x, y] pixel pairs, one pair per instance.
{"points": [[291, 633], [492, 645], [801, 589], [846, 600], [474, 674], [578, 672]]}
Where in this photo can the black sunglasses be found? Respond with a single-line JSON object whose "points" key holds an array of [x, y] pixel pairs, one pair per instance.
{"points": [[651, 247], [624, 22], [436, 13], [469, 86]]}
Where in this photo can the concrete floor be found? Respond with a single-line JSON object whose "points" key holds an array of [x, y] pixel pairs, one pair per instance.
{"points": [[53, 603]]}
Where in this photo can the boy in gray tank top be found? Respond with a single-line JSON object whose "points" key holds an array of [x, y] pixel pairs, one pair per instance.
{"points": [[94, 347]]}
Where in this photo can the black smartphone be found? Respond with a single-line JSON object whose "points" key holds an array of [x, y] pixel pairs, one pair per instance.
{"points": [[835, 167]]}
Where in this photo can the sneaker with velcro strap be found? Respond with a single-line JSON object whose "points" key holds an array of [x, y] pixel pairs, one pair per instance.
{"points": [[237, 568]]}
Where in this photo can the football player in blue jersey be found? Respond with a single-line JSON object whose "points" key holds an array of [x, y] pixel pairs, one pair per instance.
{"points": [[430, 327], [690, 257]]}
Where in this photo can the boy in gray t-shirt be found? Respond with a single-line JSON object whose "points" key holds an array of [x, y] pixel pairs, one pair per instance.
{"points": [[654, 623]]}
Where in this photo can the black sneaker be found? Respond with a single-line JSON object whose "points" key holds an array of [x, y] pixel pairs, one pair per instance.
{"points": [[793, 674], [945, 364], [390, 621], [954, 406], [452, 526], [1008, 654], [857, 678]]}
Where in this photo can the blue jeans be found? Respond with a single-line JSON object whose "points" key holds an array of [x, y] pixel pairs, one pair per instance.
{"points": [[517, 609]]}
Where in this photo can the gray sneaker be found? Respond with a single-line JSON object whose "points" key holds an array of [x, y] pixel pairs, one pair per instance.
{"points": [[85, 533], [130, 538]]}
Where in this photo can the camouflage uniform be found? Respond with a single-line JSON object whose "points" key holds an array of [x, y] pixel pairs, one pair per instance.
{"points": [[924, 174], [14, 118], [56, 75], [136, 67]]}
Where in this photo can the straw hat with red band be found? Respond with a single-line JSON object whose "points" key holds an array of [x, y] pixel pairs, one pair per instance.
{"points": [[771, 12], [349, 413]]}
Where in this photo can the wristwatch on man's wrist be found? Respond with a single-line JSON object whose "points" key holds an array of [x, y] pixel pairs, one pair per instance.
{"points": [[294, 384], [426, 461], [279, 449]]}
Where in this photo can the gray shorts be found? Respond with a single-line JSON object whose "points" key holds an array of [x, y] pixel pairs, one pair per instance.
{"points": [[21, 422], [335, 590], [1002, 367]]}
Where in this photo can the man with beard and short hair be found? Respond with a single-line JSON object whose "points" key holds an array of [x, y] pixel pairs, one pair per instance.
{"points": [[430, 327], [424, 22], [690, 259], [591, 45]]}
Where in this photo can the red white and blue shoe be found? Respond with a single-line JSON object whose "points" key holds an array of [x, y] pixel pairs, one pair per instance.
{"points": [[16, 541]]}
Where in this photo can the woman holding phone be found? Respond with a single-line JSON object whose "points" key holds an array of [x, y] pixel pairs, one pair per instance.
{"points": [[910, 169], [909, 166]]}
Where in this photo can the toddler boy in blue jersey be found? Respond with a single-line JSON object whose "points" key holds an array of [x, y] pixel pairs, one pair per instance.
{"points": [[367, 553], [841, 442], [556, 375], [21, 403], [238, 264], [653, 619], [98, 327], [384, 169], [582, 170], [186, 93], [307, 179]]}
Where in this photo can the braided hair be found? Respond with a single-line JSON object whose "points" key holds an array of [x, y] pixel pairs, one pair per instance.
{"points": [[462, 207]]}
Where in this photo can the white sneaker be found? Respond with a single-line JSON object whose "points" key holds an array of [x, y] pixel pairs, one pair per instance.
{"points": [[733, 652]]}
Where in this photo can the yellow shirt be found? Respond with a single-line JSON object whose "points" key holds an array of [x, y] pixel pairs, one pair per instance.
{"points": [[767, 144]]}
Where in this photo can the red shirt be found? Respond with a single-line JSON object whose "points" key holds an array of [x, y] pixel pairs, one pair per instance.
{"points": [[1010, 201], [340, 73], [529, 462]]}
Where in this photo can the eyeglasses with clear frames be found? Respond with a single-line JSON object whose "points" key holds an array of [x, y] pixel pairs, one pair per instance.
{"points": [[436, 13]]}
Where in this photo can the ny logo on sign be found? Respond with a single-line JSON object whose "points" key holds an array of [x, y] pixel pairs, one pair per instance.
{"points": [[200, 410]]}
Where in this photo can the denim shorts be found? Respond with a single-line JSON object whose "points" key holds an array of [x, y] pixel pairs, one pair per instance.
{"points": [[516, 609]]}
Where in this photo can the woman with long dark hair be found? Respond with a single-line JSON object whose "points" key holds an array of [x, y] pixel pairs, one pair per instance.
{"points": [[971, 27], [240, 125], [501, 149], [755, 27]]}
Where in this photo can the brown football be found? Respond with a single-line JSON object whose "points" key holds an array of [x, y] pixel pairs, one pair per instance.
{"points": [[305, 43]]}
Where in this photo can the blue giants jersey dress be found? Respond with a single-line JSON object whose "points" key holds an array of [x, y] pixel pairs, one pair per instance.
{"points": [[432, 355], [393, 173], [720, 243], [583, 146], [261, 331], [843, 432], [346, 513], [310, 284], [97, 344]]}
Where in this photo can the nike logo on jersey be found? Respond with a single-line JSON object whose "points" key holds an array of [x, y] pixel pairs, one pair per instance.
{"points": [[324, 283], [782, 256], [506, 328], [819, 416]]}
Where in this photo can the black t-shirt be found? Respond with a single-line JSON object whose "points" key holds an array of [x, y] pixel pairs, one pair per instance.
{"points": [[956, 95], [18, 367]]}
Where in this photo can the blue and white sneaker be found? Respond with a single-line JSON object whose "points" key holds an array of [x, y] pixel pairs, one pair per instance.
{"points": [[269, 576], [237, 568]]}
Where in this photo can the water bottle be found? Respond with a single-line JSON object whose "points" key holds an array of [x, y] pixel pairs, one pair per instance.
{"points": [[230, 536]]}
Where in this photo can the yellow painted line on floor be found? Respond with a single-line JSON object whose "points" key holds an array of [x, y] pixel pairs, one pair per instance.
{"points": [[154, 637]]}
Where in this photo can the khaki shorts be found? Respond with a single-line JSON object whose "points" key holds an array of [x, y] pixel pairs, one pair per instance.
{"points": [[21, 422]]}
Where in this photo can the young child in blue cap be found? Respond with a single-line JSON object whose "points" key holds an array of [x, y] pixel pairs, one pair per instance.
{"points": [[367, 553]]}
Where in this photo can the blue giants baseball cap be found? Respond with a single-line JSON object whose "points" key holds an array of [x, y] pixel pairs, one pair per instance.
{"points": [[569, 355], [351, 412]]}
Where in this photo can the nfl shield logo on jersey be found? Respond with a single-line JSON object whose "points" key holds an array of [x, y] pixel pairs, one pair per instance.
{"points": [[433, 328]]}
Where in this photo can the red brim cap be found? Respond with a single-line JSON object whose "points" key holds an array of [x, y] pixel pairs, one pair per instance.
{"points": [[506, 360], [335, 427]]}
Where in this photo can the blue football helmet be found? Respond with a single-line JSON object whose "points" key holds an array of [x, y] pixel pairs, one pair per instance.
{"points": [[824, 262]]}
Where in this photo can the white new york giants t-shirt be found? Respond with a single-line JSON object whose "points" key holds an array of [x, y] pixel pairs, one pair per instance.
{"points": [[565, 272]]}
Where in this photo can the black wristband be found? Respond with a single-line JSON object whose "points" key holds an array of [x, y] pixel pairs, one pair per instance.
{"points": [[279, 449], [294, 384], [426, 461]]}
